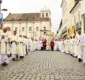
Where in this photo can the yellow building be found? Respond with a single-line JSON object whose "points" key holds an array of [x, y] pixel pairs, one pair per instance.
{"points": [[75, 16], [65, 18]]}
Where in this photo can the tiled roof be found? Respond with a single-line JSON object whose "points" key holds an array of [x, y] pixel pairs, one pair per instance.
{"points": [[23, 16]]}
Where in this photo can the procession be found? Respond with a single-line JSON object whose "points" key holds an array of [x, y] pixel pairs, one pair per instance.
{"points": [[18, 47]]}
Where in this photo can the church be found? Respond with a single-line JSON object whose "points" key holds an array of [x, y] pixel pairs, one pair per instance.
{"points": [[36, 25]]}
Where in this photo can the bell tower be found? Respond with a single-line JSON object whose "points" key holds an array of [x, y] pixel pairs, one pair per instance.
{"points": [[45, 13]]}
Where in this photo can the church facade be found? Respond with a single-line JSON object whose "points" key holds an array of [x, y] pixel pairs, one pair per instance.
{"points": [[36, 25]]}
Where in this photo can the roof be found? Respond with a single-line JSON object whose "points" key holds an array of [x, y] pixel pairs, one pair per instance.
{"points": [[22, 16], [25, 17]]}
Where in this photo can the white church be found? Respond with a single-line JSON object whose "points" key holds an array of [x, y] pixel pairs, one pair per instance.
{"points": [[35, 25]]}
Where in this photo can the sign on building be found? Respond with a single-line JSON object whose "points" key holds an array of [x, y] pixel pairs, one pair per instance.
{"points": [[1, 17]]}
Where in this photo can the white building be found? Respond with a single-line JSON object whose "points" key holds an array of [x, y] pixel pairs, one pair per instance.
{"points": [[83, 15], [65, 5], [34, 25]]}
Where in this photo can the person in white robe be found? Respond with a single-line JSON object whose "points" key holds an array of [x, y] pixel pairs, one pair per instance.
{"points": [[14, 46], [82, 43], [35, 44], [66, 46], [55, 45], [28, 44], [20, 47], [71, 46], [79, 48], [25, 45], [3, 49], [64, 42], [39, 45], [76, 47], [32, 45], [62, 45], [9, 47]]}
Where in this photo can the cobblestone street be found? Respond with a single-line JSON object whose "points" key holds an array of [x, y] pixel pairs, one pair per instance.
{"points": [[44, 66]]}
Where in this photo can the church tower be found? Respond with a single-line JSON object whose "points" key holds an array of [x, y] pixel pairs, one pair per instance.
{"points": [[45, 13]]}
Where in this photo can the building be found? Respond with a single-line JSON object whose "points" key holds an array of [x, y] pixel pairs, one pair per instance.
{"points": [[65, 18], [83, 15], [75, 15], [35, 25], [59, 31]]}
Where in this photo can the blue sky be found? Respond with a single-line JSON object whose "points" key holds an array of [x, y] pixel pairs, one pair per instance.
{"points": [[22, 6]]}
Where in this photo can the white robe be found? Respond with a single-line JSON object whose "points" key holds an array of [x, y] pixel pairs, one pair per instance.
{"points": [[31, 45], [62, 46], [82, 43], [67, 44], [55, 45], [71, 46], [14, 46], [39, 45], [35, 45], [3, 51], [20, 49], [8, 48], [75, 47]]}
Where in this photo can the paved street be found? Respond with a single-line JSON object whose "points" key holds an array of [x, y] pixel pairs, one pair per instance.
{"points": [[44, 66]]}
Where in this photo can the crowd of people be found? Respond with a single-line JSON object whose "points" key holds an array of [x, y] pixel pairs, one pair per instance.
{"points": [[18, 47], [74, 45]]}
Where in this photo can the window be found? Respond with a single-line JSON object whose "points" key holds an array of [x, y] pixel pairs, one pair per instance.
{"points": [[42, 14], [44, 28], [37, 28], [30, 28], [15, 28], [46, 14], [22, 28]]}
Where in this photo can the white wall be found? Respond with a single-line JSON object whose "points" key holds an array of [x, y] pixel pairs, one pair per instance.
{"points": [[83, 6], [26, 26]]}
